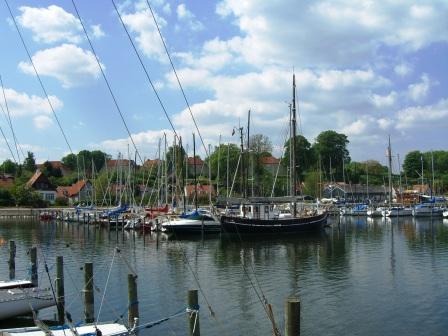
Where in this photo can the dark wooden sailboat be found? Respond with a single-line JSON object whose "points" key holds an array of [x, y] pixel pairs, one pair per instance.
{"points": [[265, 215]]}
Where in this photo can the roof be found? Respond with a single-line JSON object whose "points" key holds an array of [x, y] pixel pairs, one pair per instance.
{"points": [[150, 163], [420, 188], [121, 163], [267, 160], [202, 189], [39, 177], [73, 190], [195, 161], [6, 181]]}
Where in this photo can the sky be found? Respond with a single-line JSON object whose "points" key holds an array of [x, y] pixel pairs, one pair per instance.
{"points": [[367, 69]]}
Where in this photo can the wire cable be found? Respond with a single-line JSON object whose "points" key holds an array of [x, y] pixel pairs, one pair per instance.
{"points": [[38, 77]]}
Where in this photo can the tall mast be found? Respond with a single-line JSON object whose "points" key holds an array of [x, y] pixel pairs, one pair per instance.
{"points": [[219, 159], [243, 189], [194, 169], [209, 175], [166, 172], [184, 201], [293, 125], [248, 152], [389, 157], [432, 169]]}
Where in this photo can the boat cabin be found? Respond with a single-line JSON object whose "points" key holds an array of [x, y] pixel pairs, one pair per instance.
{"points": [[259, 211]]}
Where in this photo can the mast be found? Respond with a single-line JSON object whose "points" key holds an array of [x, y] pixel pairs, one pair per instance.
{"points": [[367, 172], [243, 189], [183, 176], [227, 171], [389, 157], [432, 169], [293, 125], [194, 169], [159, 190], [248, 152], [219, 159], [209, 175], [166, 172]]}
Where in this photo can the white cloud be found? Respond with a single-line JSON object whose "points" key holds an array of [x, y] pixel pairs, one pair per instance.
{"points": [[417, 117], [71, 65], [419, 91], [22, 104], [167, 9], [97, 32], [343, 32], [52, 24], [184, 15], [403, 69], [384, 101], [42, 122]]}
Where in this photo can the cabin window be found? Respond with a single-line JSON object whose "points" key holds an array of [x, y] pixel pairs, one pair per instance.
{"points": [[266, 209]]}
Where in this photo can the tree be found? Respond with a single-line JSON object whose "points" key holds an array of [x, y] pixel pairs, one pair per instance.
{"points": [[9, 167], [260, 144], [332, 147], [412, 164], [304, 155], [70, 161], [312, 186], [6, 198], [29, 163], [224, 151]]}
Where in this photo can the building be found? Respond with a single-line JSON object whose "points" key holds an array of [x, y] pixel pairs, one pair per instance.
{"points": [[122, 164], [40, 183], [56, 165], [272, 165], [6, 181], [80, 192], [201, 167], [356, 192], [203, 190]]}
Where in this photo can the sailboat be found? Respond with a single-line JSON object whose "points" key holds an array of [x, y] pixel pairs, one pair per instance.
{"points": [[19, 301], [262, 215]]}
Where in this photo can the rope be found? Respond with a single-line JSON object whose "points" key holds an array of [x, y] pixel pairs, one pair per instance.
{"points": [[107, 82], [105, 287], [177, 77], [178, 313], [38, 77], [144, 68]]}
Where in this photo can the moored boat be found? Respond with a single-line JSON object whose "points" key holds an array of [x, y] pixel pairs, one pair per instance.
{"points": [[20, 301], [427, 210], [196, 222]]}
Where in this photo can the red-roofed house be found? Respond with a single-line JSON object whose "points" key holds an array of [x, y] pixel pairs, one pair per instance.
{"points": [[148, 164], [56, 165], [203, 190], [6, 181], [271, 164], [81, 191], [201, 167], [43, 186], [121, 163]]}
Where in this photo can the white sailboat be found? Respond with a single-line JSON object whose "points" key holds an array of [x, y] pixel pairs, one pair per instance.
{"points": [[20, 301]]}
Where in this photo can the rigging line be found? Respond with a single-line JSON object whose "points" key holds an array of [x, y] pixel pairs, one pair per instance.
{"points": [[38, 77], [177, 77], [107, 81], [6, 140], [10, 122], [144, 69], [105, 287]]}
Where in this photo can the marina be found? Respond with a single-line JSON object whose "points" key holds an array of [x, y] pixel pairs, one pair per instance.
{"points": [[361, 273]]}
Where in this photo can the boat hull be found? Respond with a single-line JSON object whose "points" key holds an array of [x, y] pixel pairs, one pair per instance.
{"points": [[191, 226], [248, 225], [16, 302]]}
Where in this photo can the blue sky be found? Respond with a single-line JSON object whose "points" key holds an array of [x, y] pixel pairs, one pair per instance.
{"points": [[364, 68]]}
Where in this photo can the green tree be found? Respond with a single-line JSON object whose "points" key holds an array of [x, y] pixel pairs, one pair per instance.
{"points": [[304, 155], [70, 161], [412, 164], [332, 147], [224, 152], [25, 196], [29, 163], [260, 144], [6, 198], [312, 186], [9, 167]]}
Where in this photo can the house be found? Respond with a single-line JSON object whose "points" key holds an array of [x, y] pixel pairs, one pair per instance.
{"points": [[152, 164], [122, 164], [356, 192], [272, 165], [81, 191], [6, 181], [40, 183], [201, 167], [56, 165], [203, 190]]}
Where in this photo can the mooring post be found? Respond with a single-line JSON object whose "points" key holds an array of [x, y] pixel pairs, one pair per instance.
{"points": [[133, 299], [33, 258], [193, 313], [12, 259], [60, 301], [88, 293], [292, 316]]}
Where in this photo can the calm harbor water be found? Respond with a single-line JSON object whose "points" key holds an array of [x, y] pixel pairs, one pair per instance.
{"points": [[360, 276]]}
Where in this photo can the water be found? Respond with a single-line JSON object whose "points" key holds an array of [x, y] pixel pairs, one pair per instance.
{"points": [[359, 277]]}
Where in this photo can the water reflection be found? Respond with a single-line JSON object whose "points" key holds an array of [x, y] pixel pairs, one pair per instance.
{"points": [[363, 274]]}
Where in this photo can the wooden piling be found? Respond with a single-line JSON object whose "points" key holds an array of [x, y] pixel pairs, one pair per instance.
{"points": [[60, 300], [292, 316], [193, 316], [12, 259], [33, 258], [88, 293], [133, 299]]}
